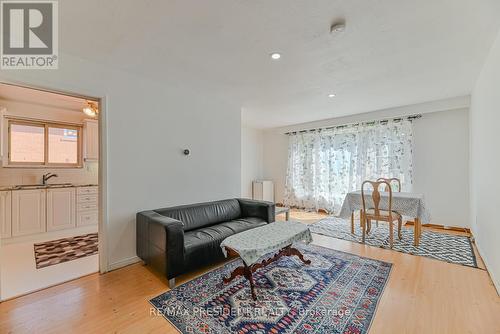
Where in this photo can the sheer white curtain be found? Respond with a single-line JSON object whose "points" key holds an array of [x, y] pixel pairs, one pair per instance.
{"points": [[324, 165]]}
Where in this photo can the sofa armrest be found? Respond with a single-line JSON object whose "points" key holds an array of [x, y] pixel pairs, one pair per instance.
{"points": [[160, 242], [260, 209]]}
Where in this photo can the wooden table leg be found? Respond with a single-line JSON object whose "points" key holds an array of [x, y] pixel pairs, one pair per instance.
{"points": [[240, 271], [294, 251], [247, 271], [352, 222], [417, 230], [249, 277], [363, 226]]}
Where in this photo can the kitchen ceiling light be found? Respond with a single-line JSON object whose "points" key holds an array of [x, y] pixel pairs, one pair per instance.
{"points": [[275, 55], [331, 95], [90, 109]]}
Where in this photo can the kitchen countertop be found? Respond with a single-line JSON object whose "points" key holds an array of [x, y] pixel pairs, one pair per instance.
{"points": [[48, 186]]}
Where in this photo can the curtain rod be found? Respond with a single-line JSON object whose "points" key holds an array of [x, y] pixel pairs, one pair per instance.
{"points": [[396, 119]]}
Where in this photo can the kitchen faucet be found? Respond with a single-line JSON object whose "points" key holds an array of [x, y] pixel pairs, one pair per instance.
{"points": [[46, 177]]}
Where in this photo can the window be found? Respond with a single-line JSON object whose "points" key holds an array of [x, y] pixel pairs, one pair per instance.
{"points": [[323, 166], [63, 145], [44, 144], [27, 143]]}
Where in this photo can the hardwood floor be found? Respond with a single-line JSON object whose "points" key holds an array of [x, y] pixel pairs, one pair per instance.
{"points": [[423, 296]]}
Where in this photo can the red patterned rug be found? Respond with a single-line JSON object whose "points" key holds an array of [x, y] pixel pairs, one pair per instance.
{"points": [[62, 250], [337, 293]]}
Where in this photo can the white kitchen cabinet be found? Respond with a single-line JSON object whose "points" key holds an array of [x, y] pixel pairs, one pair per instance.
{"points": [[5, 214], [28, 211], [91, 140], [61, 211], [85, 218], [84, 191], [87, 207]]}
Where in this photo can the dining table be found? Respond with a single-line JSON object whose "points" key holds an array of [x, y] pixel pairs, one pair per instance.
{"points": [[407, 204]]}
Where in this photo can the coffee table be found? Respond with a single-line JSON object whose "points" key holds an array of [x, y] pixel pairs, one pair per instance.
{"points": [[252, 245]]}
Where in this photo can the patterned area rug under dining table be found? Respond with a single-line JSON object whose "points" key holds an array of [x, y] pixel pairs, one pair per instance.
{"points": [[337, 293], [440, 246]]}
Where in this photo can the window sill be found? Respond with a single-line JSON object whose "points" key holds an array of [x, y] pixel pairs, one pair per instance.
{"points": [[42, 167]]}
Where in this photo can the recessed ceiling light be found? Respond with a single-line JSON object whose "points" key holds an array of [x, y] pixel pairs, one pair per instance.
{"points": [[331, 95], [275, 55]]}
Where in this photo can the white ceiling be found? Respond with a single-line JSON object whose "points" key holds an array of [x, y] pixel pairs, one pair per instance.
{"points": [[393, 52]]}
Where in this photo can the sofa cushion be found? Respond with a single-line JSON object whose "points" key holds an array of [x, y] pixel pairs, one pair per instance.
{"points": [[204, 243], [196, 216]]}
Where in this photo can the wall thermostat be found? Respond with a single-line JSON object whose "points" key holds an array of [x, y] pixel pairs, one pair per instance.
{"points": [[186, 151]]}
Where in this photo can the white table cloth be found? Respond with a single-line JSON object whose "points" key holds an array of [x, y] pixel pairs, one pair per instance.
{"points": [[406, 204], [251, 245]]}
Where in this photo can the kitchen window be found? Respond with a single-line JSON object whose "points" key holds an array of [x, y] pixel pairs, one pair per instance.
{"points": [[39, 143]]}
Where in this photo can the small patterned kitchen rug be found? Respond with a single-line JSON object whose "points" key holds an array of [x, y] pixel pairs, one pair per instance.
{"points": [[63, 250]]}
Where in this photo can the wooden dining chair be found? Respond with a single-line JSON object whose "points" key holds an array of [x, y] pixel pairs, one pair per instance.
{"points": [[391, 181], [374, 212]]}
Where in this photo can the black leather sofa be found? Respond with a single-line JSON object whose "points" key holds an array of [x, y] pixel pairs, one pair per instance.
{"points": [[179, 239]]}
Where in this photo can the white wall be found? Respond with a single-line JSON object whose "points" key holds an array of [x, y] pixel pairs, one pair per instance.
{"points": [[252, 154], [441, 156], [275, 161], [485, 162], [441, 165], [148, 125]]}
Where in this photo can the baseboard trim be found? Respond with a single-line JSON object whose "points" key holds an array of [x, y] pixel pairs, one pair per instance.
{"points": [[443, 227], [47, 287], [281, 205], [123, 263], [486, 264]]}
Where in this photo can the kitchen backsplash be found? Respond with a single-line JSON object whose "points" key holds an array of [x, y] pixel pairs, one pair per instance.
{"points": [[15, 176]]}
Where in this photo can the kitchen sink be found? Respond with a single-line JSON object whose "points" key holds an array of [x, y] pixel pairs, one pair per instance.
{"points": [[59, 185], [28, 186], [39, 186]]}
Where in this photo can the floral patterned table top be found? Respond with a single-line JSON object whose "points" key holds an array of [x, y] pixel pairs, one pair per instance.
{"points": [[251, 245], [405, 203]]}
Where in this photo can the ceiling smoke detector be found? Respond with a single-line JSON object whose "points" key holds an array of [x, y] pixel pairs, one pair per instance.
{"points": [[337, 27]]}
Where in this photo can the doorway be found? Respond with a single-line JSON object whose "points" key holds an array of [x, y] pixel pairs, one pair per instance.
{"points": [[51, 230]]}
